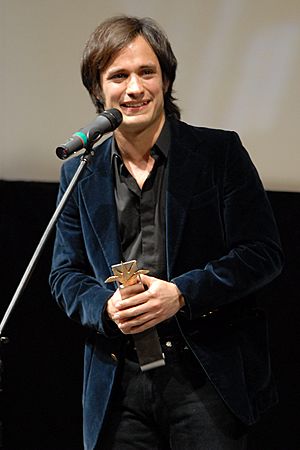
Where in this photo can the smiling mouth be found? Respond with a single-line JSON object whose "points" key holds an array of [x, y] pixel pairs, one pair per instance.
{"points": [[135, 105]]}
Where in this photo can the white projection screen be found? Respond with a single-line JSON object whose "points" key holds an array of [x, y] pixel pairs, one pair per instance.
{"points": [[238, 68]]}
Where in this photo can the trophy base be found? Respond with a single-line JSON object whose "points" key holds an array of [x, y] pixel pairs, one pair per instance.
{"points": [[153, 365]]}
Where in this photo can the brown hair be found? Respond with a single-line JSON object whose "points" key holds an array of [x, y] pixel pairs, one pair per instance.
{"points": [[113, 35]]}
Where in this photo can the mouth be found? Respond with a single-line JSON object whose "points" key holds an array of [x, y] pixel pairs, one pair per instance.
{"points": [[135, 105]]}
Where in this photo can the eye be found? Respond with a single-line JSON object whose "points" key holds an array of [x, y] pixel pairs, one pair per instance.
{"points": [[118, 76], [148, 71]]}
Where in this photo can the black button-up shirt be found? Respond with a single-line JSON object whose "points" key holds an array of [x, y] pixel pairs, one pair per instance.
{"points": [[141, 215], [141, 212]]}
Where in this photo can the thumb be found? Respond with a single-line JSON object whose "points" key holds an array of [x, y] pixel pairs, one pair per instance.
{"points": [[146, 280]]}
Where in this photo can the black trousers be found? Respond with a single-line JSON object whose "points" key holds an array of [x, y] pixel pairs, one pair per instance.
{"points": [[172, 407]]}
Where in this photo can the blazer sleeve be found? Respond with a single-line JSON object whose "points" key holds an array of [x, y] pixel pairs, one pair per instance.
{"points": [[253, 254], [73, 284]]}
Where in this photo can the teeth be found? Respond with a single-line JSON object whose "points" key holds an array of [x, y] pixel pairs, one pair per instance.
{"points": [[134, 105]]}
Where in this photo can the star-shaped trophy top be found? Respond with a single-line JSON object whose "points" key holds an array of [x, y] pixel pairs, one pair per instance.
{"points": [[126, 273]]}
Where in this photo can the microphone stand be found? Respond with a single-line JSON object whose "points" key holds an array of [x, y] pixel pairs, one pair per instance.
{"points": [[86, 157]]}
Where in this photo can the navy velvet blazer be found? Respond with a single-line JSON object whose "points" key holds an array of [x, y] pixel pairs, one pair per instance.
{"points": [[222, 245]]}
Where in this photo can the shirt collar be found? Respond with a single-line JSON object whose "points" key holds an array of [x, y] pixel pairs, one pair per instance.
{"points": [[162, 144]]}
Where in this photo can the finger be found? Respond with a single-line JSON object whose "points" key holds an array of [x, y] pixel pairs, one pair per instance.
{"points": [[146, 279], [130, 328], [136, 320], [129, 291], [128, 313], [134, 300]]}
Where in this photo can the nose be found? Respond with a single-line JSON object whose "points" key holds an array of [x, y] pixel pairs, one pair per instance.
{"points": [[134, 85]]}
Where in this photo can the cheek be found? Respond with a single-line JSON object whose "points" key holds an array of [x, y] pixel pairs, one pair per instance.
{"points": [[113, 93], [160, 90], [157, 93], [160, 96]]}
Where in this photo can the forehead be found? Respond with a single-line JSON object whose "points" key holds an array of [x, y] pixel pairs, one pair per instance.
{"points": [[138, 52]]}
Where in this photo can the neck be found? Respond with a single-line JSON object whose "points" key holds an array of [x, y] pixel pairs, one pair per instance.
{"points": [[136, 145]]}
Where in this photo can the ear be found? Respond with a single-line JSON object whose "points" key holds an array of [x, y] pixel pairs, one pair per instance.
{"points": [[166, 85], [99, 94], [99, 103], [100, 97]]}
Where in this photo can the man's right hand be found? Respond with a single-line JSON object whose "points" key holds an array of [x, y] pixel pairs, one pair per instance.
{"points": [[114, 303]]}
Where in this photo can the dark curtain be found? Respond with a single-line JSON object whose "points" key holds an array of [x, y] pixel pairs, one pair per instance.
{"points": [[42, 377]]}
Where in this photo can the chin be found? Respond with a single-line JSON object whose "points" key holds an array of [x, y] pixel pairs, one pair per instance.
{"points": [[135, 121]]}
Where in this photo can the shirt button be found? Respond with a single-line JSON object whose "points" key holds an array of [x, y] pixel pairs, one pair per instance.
{"points": [[169, 344], [114, 357]]}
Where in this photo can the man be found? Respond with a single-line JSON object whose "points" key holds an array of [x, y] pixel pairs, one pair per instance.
{"points": [[187, 204]]}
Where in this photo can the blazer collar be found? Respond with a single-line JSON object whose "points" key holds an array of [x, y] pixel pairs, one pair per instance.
{"points": [[97, 192], [182, 175]]}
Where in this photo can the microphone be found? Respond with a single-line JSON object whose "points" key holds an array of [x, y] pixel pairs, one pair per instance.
{"points": [[107, 121]]}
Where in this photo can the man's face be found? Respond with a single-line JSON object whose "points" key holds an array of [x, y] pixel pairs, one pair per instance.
{"points": [[133, 84]]}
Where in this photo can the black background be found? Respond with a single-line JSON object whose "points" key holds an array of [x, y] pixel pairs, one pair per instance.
{"points": [[42, 379]]}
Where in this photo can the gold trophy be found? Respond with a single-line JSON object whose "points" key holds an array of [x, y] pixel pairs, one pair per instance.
{"points": [[147, 345]]}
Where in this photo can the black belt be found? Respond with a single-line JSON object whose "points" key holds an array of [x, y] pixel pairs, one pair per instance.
{"points": [[172, 346]]}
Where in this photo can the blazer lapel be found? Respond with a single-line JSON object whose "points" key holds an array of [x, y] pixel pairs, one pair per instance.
{"points": [[98, 196], [180, 186]]}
